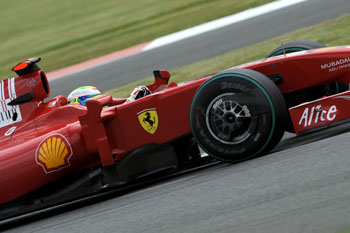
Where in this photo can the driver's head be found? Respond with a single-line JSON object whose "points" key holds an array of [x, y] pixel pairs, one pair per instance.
{"points": [[82, 94]]}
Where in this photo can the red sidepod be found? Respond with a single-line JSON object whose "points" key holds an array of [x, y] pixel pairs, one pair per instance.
{"points": [[43, 150]]}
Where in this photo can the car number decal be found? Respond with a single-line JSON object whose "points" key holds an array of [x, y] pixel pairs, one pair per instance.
{"points": [[8, 114]]}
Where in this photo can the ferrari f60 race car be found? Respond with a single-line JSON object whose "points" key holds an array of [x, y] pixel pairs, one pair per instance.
{"points": [[52, 152]]}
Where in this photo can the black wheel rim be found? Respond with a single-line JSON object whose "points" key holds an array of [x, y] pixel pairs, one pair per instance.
{"points": [[227, 120]]}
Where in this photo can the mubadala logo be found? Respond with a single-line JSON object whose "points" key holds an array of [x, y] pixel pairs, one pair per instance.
{"points": [[335, 63]]}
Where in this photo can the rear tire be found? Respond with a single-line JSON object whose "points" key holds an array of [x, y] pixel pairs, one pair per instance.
{"points": [[237, 115]]}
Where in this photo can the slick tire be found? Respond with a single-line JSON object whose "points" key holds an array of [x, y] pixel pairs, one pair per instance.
{"points": [[308, 94], [237, 115], [295, 46]]}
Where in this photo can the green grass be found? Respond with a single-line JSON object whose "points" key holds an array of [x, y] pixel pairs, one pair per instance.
{"points": [[67, 32], [330, 33]]}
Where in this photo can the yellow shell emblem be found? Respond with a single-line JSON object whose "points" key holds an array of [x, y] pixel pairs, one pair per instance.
{"points": [[53, 153], [148, 119]]}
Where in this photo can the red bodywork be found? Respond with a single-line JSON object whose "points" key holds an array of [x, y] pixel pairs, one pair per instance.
{"points": [[321, 113], [49, 140]]}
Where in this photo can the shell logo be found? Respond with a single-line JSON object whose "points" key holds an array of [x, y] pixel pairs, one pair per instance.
{"points": [[53, 153]]}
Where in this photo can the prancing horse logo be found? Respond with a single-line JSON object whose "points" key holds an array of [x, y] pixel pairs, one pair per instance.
{"points": [[148, 119]]}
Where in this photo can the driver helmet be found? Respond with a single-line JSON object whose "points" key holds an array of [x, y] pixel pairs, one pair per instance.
{"points": [[82, 94], [139, 92]]}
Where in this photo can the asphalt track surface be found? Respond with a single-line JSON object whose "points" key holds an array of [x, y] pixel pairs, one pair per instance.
{"points": [[303, 186]]}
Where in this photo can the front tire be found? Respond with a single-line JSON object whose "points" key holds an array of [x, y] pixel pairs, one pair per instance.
{"points": [[296, 46], [237, 115]]}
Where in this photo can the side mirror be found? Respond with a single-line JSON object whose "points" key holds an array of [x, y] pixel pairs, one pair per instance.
{"points": [[163, 74], [161, 79]]}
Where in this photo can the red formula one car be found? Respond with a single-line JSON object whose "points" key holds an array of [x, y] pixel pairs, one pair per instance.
{"points": [[52, 152]]}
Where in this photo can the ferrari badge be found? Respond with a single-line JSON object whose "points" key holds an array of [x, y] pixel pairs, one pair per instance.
{"points": [[148, 119], [53, 153]]}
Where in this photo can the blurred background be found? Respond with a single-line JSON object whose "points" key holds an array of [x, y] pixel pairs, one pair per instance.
{"points": [[67, 32]]}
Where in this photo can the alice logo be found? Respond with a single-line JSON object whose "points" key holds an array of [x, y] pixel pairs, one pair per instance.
{"points": [[53, 153], [317, 114], [148, 119]]}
